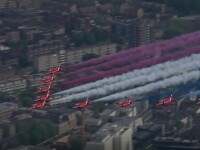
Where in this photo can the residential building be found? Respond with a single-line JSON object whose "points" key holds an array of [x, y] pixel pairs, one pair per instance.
{"points": [[45, 62], [34, 80], [9, 129], [12, 36], [113, 136], [44, 47], [170, 143], [7, 4], [15, 84], [28, 32], [101, 140], [68, 125], [74, 55], [6, 109], [136, 32]]}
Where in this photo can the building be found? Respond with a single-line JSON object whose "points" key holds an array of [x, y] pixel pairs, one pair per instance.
{"points": [[11, 85], [12, 36], [6, 109], [28, 32], [8, 128], [169, 143], [44, 47], [44, 60], [75, 55], [101, 140], [34, 80], [111, 137], [68, 125], [7, 4], [144, 135], [136, 32]]}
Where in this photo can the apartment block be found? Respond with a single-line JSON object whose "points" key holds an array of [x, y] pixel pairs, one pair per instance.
{"points": [[113, 136], [11, 85], [34, 80], [6, 109], [7, 4], [68, 125], [75, 55], [44, 48], [45, 62], [13, 36], [136, 32]]}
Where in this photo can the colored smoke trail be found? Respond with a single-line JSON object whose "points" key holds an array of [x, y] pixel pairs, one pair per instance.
{"points": [[143, 64], [139, 76], [136, 54], [166, 83], [177, 41]]}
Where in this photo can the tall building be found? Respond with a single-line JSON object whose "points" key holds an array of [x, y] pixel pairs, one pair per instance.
{"points": [[136, 32], [6, 109], [113, 136]]}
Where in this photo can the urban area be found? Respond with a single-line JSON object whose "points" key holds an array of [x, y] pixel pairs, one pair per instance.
{"points": [[99, 75]]}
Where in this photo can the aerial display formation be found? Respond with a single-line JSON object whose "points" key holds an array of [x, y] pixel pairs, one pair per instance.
{"points": [[131, 73]]}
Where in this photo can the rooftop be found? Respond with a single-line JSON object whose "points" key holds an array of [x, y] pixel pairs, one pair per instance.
{"points": [[7, 106]]}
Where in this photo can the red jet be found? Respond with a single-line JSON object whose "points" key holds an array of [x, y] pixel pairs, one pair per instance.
{"points": [[82, 104], [48, 80], [124, 103], [43, 97], [39, 105], [54, 70], [44, 89], [167, 101]]}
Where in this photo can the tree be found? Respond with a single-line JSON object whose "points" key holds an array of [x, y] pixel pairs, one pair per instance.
{"points": [[175, 28], [43, 130], [78, 38], [96, 113], [99, 34], [89, 37], [26, 97], [23, 138], [26, 101], [89, 56], [75, 144], [36, 137]]}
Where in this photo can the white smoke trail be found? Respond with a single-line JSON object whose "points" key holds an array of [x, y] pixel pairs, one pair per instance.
{"points": [[166, 83], [122, 85], [133, 74]]}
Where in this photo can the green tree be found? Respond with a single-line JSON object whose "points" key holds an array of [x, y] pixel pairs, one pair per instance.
{"points": [[23, 138], [26, 101], [96, 113], [89, 56], [78, 38], [43, 130], [51, 128], [179, 124], [89, 37], [175, 28], [99, 34], [75, 144], [36, 137], [26, 97]]}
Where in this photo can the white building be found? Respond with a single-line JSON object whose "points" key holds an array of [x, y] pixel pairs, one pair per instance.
{"points": [[115, 136], [16, 84]]}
